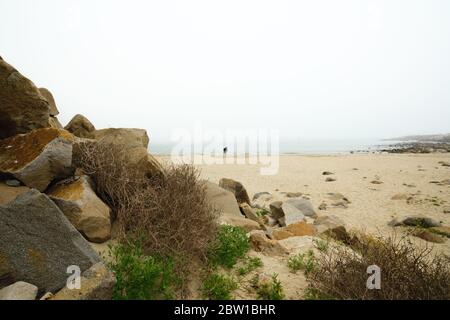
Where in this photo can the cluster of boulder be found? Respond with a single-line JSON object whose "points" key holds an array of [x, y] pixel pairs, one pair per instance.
{"points": [[49, 210], [270, 222]]}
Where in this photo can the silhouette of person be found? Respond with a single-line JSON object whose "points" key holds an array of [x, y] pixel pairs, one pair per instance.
{"points": [[225, 150]]}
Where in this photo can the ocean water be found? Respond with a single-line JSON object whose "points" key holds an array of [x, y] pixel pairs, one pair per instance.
{"points": [[305, 146]]}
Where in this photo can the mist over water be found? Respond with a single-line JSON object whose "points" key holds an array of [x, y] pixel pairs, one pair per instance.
{"points": [[303, 146]]}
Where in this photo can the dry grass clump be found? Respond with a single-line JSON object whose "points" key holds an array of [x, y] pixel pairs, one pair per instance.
{"points": [[407, 271], [169, 209]]}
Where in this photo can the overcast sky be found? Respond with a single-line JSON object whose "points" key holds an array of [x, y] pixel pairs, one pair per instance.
{"points": [[312, 69]]}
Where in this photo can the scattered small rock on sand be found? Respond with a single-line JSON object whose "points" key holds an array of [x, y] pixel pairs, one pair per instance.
{"points": [[429, 236], [409, 185], [327, 173], [400, 196], [330, 179], [376, 182]]}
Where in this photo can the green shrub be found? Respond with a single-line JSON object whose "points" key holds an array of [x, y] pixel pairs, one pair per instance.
{"points": [[262, 212], [141, 277], [250, 265], [218, 287], [302, 261], [231, 244], [321, 245], [271, 290]]}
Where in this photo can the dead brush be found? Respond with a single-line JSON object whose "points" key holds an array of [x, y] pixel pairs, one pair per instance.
{"points": [[169, 211], [407, 271]]}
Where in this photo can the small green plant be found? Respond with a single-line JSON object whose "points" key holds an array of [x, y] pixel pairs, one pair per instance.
{"points": [[262, 212], [218, 287], [314, 294], [231, 244], [141, 277], [269, 290], [321, 245], [250, 265], [302, 261]]}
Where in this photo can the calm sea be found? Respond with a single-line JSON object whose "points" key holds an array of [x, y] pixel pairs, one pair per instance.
{"points": [[313, 146]]}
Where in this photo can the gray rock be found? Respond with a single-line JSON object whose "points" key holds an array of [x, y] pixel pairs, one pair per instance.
{"points": [[302, 205], [277, 210], [19, 291], [223, 200], [259, 194], [38, 243], [325, 223], [13, 183], [418, 221], [415, 221], [292, 211]]}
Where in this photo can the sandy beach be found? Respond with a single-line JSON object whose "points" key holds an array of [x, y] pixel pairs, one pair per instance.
{"points": [[372, 206]]}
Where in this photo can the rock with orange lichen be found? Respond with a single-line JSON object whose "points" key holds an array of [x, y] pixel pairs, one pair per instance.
{"points": [[294, 230], [22, 106], [38, 244], [38, 157], [84, 209]]}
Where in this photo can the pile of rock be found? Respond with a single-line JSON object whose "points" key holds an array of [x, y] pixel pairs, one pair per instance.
{"points": [[49, 211], [271, 222]]}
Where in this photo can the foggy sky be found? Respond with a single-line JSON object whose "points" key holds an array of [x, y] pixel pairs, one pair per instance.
{"points": [[312, 69]]}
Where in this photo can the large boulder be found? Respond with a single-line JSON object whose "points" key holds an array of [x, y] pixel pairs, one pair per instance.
{"points": [[97, 283], [51, 101], [81, 127], [19, 291], [292, 211], [38, 243], [236, 188], [38, 157], [131, 138], [22, 107], [83, 208], [222, 200], [8, 193]]}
